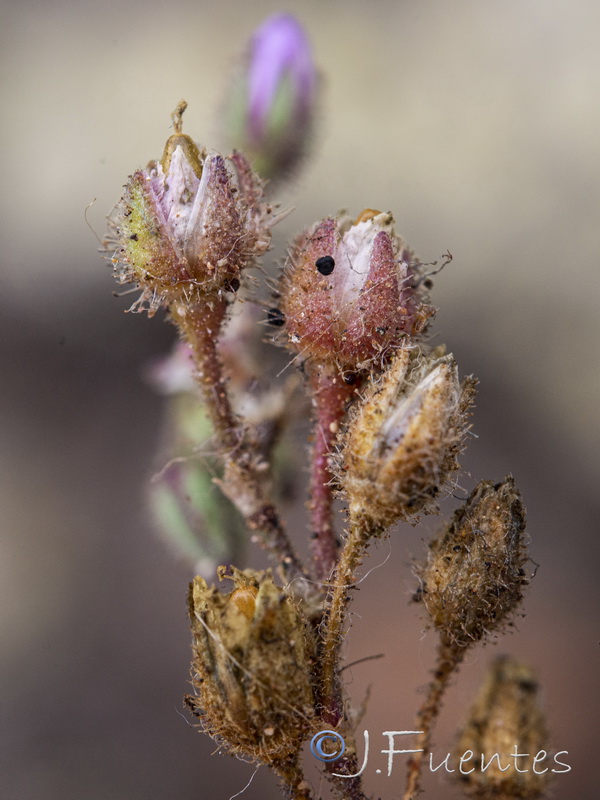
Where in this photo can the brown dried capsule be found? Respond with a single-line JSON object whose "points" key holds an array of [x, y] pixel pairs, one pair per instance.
{"points": [[474, 575], [403, 441], [504, 737], [251, 651]]}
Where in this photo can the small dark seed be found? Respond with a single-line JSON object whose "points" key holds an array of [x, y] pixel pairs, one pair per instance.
{"points": [[275, 317], [325, 265], [232, 285], [134, 237]]}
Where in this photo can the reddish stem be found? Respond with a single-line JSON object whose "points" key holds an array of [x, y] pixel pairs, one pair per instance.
{"points": [[244, 479], [201, 326], [330, 395]]}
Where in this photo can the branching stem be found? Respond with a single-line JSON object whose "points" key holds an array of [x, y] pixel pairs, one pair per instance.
{"points": [[448, 660]]}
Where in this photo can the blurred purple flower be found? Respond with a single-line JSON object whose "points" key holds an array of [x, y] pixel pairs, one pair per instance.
{"points": [[271, 105], [279, 50]]}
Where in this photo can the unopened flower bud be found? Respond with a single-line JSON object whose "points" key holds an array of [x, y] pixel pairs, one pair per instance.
{"points": [[189, 223], [189, 511], [506, 735], [350, 293], [403, 441], [270, 109], [250, 668], [474, 576]]}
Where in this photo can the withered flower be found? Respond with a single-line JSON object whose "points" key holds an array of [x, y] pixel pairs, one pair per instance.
{"points": [[251, 654], [189, 223], [350, 292], [505, 735], [474, 576], [404, 438]]}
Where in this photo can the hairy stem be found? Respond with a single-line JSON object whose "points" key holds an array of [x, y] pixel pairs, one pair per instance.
{"points": [[449, 658], [244, 484], [294, 785], [331, 690], [201, 323], [344, 576], [330, 395], [348, 788], [244, 471]]}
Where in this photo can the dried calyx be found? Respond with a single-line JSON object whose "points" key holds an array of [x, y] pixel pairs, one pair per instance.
{"points": [[351, 292], [404, 438], [189, 224], [473, 579], [504, 721], [251, 667]]}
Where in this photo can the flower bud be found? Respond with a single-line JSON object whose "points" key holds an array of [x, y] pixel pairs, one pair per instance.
{"points": [[349, 293], [270, 109], [505, 720], [474, 575], [189, 511], [403, 441], [188, 223], [251, 652]]}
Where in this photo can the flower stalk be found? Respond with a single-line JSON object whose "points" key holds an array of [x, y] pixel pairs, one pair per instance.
{"points": [[330, 395], [390, 421], [471, 585]]}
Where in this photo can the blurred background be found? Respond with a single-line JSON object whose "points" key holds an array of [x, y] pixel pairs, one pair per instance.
{"points": [[478, 125]]}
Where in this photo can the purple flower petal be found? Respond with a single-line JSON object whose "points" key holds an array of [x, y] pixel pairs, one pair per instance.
{"points": [[279, 49]]}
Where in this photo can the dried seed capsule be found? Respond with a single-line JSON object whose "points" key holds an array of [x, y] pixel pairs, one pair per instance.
{"points": [[505, 735], [189, 223], [251, 652], [474, 575], [360, 301], [404, 438]]}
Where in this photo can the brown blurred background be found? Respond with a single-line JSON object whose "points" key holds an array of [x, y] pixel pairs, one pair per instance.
{"points": [[478, 124]]}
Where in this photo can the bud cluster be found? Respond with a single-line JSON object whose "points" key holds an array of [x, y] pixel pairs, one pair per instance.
{"points": [[391, 417]]}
